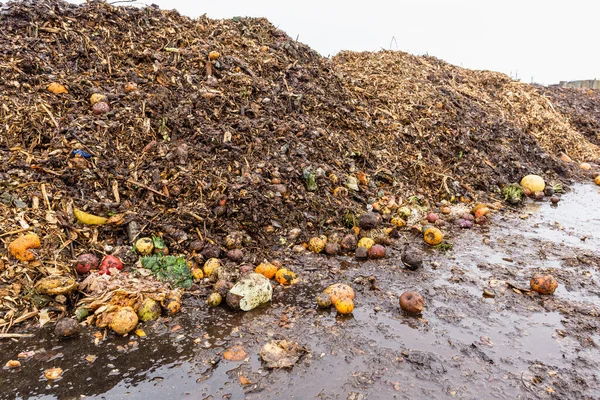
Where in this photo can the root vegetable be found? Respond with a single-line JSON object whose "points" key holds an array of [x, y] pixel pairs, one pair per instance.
{"points": [[554, 199], [349, 242], [86, 262], [100, 108], [317, 244], [97, 98], [144, 246], [215, 299], [222, 287], [432, 217], [235, 255], [66, 328], [20, 248], [369, 220], [412, 302], [366, 242], [211, 267], [331, 249], [545, 284]]}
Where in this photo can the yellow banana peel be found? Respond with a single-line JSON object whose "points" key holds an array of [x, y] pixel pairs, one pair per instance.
{"points": [[89, 219]]}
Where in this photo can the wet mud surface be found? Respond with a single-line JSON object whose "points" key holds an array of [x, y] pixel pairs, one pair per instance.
{"points": [[517, 344]]}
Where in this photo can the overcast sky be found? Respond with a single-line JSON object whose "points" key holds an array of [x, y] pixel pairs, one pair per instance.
{"points": [[540, 41]]}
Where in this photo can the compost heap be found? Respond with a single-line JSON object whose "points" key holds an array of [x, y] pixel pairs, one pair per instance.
{"points": [[230, 125], [581, 106]]}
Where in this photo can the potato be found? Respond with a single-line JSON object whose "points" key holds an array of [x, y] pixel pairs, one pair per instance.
{"points": [[412, 302], [344, 306], [323, 300], [545, 284], [66, 328], [124, 321]]}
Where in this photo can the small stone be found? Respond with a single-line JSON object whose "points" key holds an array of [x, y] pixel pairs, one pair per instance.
{"points": [[361, 253], [298, 249], [554, 199], [294, 233]]}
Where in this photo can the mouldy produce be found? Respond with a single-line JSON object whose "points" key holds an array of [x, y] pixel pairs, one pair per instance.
{"points": [[366, 242], [339, 291], [124, 321], [21, 247], [317, 244], [149, 310], [88, 219], [545, 284], [109, 262], [267, 269], [144, 246], [285, 277], [433, 236], [251, 291], [344, 306], [86, 262], [412, 302]]}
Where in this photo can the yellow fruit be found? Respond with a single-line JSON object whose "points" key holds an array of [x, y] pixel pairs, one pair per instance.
{"points": [[57, 88], [366, 242], [317, 244], [339, 291], [97, 98], [535, 183], [124, 321], [198, 274], [144, 246], [433, 236], [285, 277], [344, 306], [211, 266], [266, 269], [20, 247], [399, 222], [213, 55], [597, 180], [89, 219]]}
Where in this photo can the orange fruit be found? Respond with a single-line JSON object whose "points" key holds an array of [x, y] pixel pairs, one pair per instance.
{"points": [[344, 306], [285, 277], [266, 269], [339, 291]]}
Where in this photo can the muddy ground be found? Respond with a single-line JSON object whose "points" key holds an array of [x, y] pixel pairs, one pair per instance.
{"points": [[517, 344]]}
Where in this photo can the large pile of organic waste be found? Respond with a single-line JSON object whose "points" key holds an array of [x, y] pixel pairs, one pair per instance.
{"points": [[118, 123]]}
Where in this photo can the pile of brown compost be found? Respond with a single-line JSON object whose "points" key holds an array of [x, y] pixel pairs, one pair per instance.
{"points": [[581, 106], [230, 125]]}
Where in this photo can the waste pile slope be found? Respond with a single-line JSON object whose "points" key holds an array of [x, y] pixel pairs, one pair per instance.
{"points": [[580, 106], [480, 127], [200, 135]]}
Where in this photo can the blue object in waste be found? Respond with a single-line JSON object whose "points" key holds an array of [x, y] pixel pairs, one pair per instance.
{"points": [[81, 153]]}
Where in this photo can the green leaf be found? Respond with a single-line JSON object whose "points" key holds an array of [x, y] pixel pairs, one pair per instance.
{"points": [[171, 269]]}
